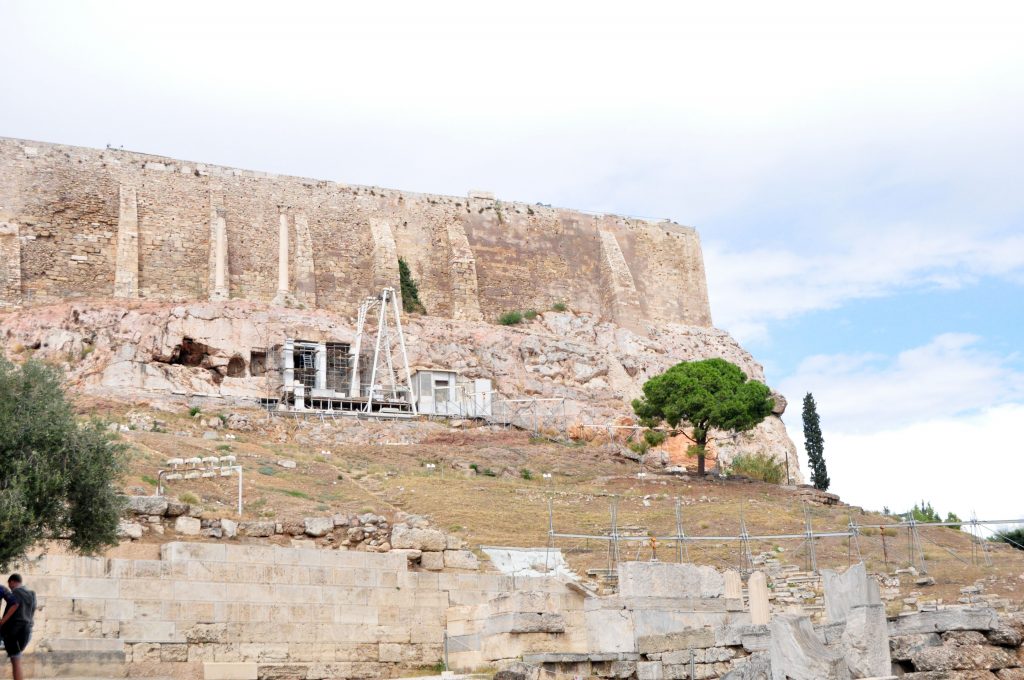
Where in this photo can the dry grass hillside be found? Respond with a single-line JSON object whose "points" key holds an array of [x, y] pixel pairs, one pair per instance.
{"points": [[488, 487]]}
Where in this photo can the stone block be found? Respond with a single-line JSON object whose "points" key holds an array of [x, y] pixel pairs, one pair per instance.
{"points": [[318, 526], [694, 638], [461, 559], [132, 530], [649, 670], [865, 641], [147, 505], [229, 527], [902, 647], [849, 589], [757, 593], [176, 508], [187, 526], [797, 653], [433, 561], [669, 579], [238, 670], [257, 529], [755, 667], [942, 620], [962, 657], [610, 630], [733, 584], [406, 537]]}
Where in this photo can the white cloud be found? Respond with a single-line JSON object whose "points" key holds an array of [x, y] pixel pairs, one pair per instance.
{"points": [[937, 422], [965, 464], [751, 288], [948, 377]]}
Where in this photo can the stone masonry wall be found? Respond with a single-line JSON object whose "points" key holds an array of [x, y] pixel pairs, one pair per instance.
{"points": [[294, 613], [93, 222]]}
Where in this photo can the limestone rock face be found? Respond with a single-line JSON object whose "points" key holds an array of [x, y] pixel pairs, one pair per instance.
{"points": [[150, 349]]}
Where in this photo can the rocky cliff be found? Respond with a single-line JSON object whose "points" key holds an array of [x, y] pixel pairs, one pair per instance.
{"points": [[159, 351]]}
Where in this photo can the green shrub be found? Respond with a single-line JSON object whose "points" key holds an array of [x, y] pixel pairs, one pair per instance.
{"points": [[510, 318], [267, 470], [488, 472], [526, 474], [410, 290], [194, 411], [224, 447], [1013, 537], [530, 314], [655, 438], [189, 498], [474, 467], [758, 466], [152, 481], [560, 307]]}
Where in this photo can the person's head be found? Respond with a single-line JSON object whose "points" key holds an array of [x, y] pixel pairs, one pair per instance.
{"points": [[14, 581]]}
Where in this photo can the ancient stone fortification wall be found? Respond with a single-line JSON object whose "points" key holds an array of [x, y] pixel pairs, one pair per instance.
{"points": [[79, 222], [295, 612]]}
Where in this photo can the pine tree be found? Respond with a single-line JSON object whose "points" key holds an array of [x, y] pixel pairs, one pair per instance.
{"points": [[814, 444]]}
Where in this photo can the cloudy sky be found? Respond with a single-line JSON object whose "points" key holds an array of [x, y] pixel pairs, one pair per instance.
{"points": [[854, 169]]}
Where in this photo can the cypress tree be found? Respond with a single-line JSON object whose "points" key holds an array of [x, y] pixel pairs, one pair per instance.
{"points": [[814, 444]]}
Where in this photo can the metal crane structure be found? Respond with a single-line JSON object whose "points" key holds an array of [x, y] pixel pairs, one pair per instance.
{"points": [[385, 385]]}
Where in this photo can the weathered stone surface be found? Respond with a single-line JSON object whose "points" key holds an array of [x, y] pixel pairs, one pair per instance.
{"points": [[694, 638], [229, 670], [669, 579], [756, 667], [257, 529], [432, 561], [147, 505], [901, 647], [460, 559], [318, 526], [1005, 636], [649, 670], [132, 530], [229, 527], [733, 584], [537, 622], [403, 536], [187, 526], [847, 590], [176, 508], [962, 657], [865, 641], [757, 591], [797, 653], [942, 620]]}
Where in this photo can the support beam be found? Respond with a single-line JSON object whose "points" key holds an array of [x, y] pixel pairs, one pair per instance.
{"points": [[462, 273], [10, 264], [284, 296], [126, 263], [220, 259], [619, 295], [304, 274]]}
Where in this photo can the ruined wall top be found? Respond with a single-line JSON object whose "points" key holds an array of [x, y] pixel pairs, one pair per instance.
{"points": [[93, 223]]}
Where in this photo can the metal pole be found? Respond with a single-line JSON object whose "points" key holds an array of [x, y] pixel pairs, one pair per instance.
{"points": [[446, 651], [404, 354], [376, 356], [353, 390], [239, 490]]}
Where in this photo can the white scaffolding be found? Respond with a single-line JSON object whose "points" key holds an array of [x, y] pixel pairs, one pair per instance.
{"points": [[389, 389]]}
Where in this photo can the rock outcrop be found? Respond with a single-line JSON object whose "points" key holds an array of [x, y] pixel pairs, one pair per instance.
{"points": [[220, 349]]}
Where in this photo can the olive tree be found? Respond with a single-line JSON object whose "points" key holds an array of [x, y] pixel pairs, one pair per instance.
{"points": [[57, 475], [707, 395]]}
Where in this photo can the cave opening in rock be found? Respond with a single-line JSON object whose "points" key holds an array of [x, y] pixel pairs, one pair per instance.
{"points": [[236, 367], [189, 353]]}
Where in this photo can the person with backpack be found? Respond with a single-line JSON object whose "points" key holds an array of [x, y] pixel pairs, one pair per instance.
{"points": [[16, 622]]}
